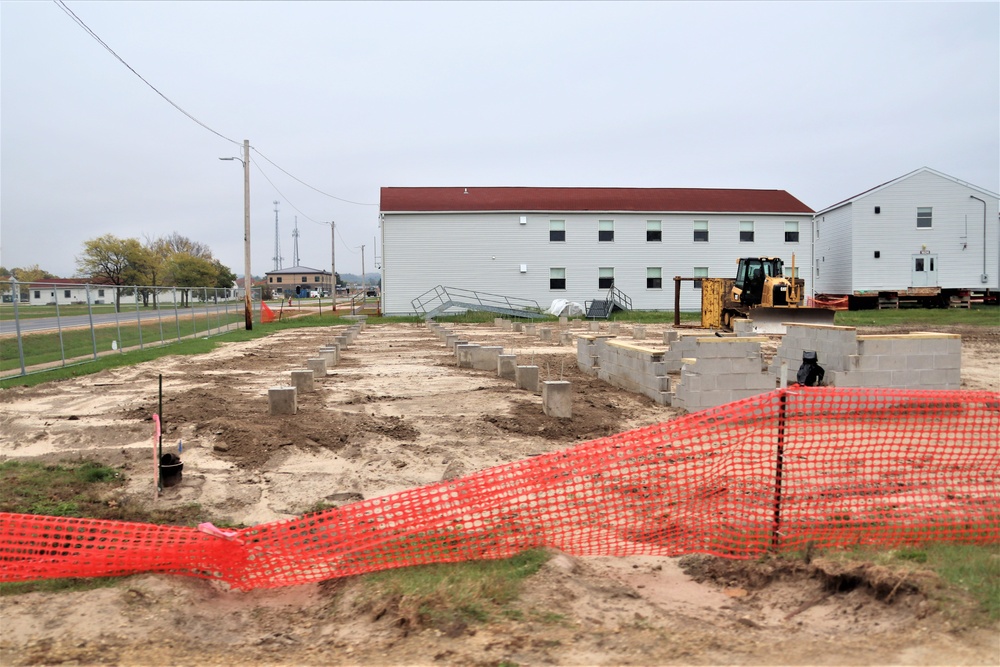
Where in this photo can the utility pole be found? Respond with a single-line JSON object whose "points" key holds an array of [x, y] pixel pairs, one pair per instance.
{"points": [[247, 274], [363, 289], [333, 267], [295, 243]]}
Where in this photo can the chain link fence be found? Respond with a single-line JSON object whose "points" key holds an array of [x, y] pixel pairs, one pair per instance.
{"points": [[45, 325]]}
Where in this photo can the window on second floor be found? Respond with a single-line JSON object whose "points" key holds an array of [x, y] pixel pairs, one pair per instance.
{"points": [[654, 230], [316, 279], [746, 231], [605, 230], [305, 279], [557, 230], [924, 217], [701, 231], [792, 231], [605, 277]]}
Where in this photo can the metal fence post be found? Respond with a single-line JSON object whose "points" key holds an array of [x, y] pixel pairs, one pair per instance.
{"points": [[177, 317], [118, 324], [138, 317], [90, 314], [62, 348], [16, 294], [782, 413], [159, 315]]}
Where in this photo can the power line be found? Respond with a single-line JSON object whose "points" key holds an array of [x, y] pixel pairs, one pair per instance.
{"points": [[79, 21], [327, 194]]}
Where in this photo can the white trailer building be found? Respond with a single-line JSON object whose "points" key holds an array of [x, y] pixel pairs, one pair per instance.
{"points": [[574, 243], [925, 235]]}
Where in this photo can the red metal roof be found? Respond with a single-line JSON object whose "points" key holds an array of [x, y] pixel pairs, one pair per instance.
{"points": [[706, 200]]}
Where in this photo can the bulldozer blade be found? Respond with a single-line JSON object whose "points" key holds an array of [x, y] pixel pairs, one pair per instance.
{"points": [[773, 320]]}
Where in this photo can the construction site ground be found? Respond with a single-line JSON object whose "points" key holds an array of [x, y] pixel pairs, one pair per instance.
{"points": [[396, 413]]}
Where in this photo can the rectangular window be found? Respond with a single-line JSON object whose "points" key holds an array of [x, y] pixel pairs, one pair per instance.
{"points": [[654, 277], [38, 294], [700, 272], [270, 279], [305, 279], [316, 279], [792, 231], [279, 279], [924, 217], [746, 231], [817, 268], [605, 278], [66, 293], [605, 230], [557, 278], [557, 230], [654, 231], [701, 231], [100, 292]]}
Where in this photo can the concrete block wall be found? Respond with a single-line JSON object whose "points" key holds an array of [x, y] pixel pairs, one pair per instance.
{"points": [[922, 360], [633, 367], [721, 370], [586, 352]]}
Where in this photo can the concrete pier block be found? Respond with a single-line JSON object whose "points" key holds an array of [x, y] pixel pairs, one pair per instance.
{"points": [[518, 327], [450, 341], [545, 334], [507, 366], [563, 321], [330, 354], [341, 342], [557, 399], [566, 338], [595, 326], [485, 357], [529, 329], [639, 332], [464, 352], [670, 337], [317, 366], [282, 401], [303, 381], [526, 377], [498, 322], [614, 328]]}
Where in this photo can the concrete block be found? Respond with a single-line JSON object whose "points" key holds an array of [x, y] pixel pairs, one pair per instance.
{"points": [[563, 321], [890, 362], [947, 361], [920, 362], [565, 338], [329, 353], [557, 399], [341, 342], [282, 401], [529, 329], [518, 327], [670, 337], [484, 358], [498, 322], [594, 326], [463, 352], [506, 366], [302, 380], [614, 328], [639, 332], [317, 366], [526, 377]]}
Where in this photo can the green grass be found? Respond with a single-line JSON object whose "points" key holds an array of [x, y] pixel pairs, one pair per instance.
{"points": [[442, 595], [972, 568], [987, 316], [26, 312], [185, 347]]}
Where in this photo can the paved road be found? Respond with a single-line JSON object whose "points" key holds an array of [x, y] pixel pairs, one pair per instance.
{"points": [[40, 324]]}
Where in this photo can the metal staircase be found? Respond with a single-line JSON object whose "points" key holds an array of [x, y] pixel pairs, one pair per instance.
{"points": [[441, 299], [602, 308]]}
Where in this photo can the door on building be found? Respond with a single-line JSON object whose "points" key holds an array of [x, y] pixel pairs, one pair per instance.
{"points": [[924, 271]]}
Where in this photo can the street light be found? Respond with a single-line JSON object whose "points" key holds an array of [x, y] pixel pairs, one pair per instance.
{"points": [[247, 275]]}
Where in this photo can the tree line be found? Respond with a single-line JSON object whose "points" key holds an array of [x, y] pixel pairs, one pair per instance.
{"points": [[169, 261]]}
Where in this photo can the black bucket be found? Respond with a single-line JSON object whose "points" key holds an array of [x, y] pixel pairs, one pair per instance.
{"points": [[171, 470]]}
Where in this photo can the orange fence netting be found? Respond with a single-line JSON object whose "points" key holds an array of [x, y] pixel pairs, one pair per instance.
{"points": [[826, 466]]}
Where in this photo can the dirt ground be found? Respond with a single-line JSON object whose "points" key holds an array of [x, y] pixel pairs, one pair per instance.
{"points": [[394, 414]]}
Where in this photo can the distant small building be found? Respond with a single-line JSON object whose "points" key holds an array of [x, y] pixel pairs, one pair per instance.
{"points": [[67, 291], [298, 281]]}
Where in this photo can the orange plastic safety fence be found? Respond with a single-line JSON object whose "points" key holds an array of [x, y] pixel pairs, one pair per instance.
{"points": [[830, 467]]}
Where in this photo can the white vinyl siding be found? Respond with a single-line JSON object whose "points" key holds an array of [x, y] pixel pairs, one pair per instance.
{"points": [[485, 252]]}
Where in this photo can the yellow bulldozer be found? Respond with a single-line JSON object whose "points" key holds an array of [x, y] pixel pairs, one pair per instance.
{"points": [[761, 293]]}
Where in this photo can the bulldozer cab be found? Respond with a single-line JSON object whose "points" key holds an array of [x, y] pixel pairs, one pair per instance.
{"points": [[752, 276]]}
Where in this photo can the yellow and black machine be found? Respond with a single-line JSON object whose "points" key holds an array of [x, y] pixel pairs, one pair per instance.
{"points": [[761, 293]]}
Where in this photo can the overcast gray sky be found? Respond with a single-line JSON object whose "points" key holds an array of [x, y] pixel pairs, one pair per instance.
{"points": [[824, 100]]}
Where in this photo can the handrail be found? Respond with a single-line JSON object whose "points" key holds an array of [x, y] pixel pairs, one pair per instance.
{"points": [[440, 295]]}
